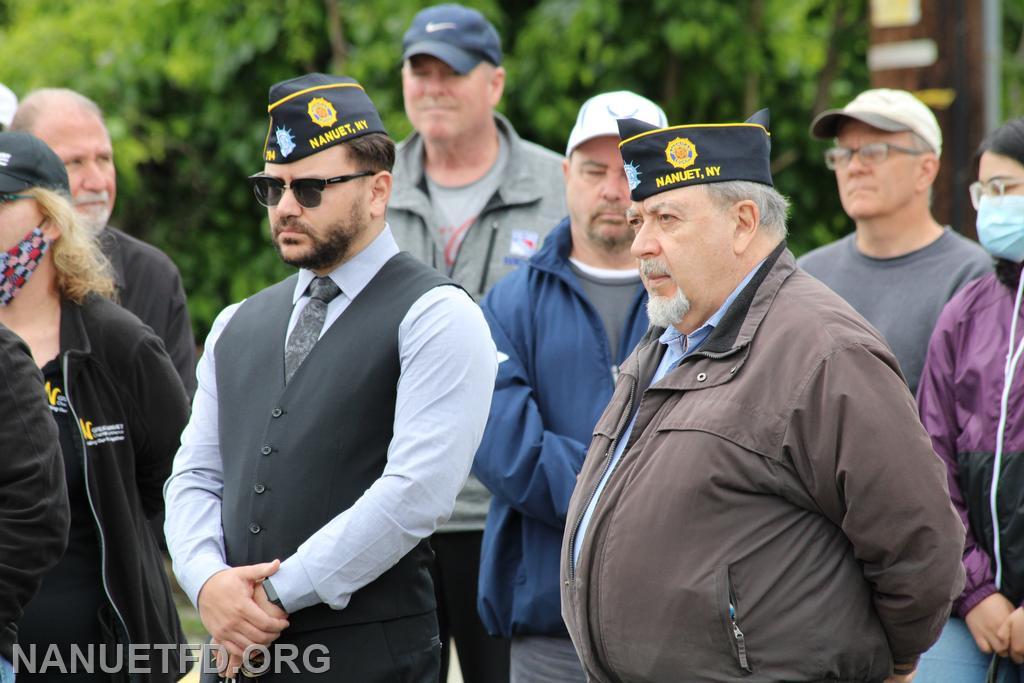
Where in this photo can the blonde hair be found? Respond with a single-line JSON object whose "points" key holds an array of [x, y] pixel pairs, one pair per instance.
{"points": [[81, 267]]}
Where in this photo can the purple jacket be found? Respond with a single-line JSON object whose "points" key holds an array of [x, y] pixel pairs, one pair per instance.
{"points": [[958, 398]]}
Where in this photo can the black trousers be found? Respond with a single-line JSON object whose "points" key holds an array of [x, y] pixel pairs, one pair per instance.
{"points": [[405, 650], [456, 569]]}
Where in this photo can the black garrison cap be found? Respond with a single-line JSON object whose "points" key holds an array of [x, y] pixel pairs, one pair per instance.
{"points": [[660, 159], [310, 113]]}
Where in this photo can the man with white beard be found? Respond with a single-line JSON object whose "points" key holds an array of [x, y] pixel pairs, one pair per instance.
{"points": [[744, 508], [148, 282]]}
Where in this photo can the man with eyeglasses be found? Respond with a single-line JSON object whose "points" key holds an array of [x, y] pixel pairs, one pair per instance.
{"points": [[899, 267], [336, 418]]}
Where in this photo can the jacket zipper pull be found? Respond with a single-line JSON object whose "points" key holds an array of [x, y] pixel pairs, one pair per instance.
{"points": [[741, 643]]}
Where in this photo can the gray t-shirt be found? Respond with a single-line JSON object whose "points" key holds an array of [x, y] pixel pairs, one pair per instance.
{"points": [[612, 293], [458, 207], [902, 296]]}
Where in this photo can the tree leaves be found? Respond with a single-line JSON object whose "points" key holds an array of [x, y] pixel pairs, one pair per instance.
{"points": [[184, 86]]}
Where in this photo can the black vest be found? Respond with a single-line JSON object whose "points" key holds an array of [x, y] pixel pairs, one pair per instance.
{"points": [[297, 456]]}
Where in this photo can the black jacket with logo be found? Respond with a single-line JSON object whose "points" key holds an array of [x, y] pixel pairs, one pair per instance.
{"points": [[129, 402], [33, 498]]}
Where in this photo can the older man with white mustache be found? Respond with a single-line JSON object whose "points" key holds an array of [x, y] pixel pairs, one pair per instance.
{"points": [[95, 208], [663, 311], [148, 282], [744, 510]]}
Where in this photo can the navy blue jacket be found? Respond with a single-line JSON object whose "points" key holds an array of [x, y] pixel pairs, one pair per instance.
{"points": [[548, 396]]}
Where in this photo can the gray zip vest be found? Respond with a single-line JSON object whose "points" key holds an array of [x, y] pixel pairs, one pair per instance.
{"points": [[297, 456]]}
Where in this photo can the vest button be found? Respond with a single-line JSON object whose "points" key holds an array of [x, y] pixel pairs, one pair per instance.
{"points": [[254, 528], [702, 376], [266, 450], [259, 488], [276, 412]]}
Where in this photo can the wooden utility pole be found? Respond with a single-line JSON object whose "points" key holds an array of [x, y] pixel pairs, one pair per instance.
{"points": [[937, 50]]}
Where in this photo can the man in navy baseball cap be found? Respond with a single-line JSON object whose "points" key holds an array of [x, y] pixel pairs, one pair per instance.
{"points": [[475, 200], [459, 36]]}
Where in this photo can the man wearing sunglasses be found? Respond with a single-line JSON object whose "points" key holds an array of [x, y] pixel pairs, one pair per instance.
{"points": [[336, 418], [899, 267]]}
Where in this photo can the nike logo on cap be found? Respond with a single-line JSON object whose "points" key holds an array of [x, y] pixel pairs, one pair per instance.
{"points": [[440, 26]]}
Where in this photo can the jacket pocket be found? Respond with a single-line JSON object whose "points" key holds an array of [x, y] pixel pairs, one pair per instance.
{"points": [[731, 618]]}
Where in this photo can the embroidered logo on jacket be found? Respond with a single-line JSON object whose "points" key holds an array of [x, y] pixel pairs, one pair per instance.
{"points": [[524, 245], [56, 398], [99, 434]]}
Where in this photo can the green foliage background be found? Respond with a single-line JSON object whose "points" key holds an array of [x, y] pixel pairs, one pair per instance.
{"points": [[184, 87]]}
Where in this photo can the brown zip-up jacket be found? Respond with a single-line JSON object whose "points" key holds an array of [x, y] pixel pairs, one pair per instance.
{"points": [[778, 513]]}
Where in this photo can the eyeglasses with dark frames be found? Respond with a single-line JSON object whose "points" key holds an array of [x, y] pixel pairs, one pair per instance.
{"points": [[14, 197], [308, 191], [871, 155], [994, 187]]}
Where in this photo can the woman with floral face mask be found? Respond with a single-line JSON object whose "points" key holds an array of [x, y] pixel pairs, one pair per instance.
{"points": [[971, 401], [119, 406]]}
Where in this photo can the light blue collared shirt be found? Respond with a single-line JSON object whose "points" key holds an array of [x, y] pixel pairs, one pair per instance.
{"points": [[448, 365], [679, 346]]}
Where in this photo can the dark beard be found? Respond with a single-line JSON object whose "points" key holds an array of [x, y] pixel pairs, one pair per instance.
{"points": [[326, 252], [609, 243]]}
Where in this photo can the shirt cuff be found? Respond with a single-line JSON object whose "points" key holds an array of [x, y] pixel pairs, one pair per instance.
{"points": [[293, 586], [197, 573]]}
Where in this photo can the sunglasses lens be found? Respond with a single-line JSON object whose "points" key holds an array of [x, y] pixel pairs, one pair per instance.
{"points": [[307, 191], [268, 191]]}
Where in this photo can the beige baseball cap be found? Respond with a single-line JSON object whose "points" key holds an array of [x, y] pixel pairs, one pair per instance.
{"points": [[885, 109]]}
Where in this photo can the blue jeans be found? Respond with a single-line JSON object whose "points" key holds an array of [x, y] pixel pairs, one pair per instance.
{"points": [[6, 671], [955, 658]]}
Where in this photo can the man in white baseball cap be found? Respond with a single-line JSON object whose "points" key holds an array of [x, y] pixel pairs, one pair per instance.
{"points": [[899, 267], [562, 324]]}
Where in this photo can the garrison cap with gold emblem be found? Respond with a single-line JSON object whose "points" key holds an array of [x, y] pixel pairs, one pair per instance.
{"points": [[660, 159], [310, 113]]}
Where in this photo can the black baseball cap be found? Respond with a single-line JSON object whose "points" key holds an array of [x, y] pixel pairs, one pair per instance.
{"points": [[26, 161], [459, 36]]}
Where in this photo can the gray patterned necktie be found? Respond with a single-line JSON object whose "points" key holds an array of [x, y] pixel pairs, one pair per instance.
{"points": [[301, 341]]}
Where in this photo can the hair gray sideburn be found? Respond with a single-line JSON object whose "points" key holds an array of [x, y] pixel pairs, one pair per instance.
{"points": [[771, 204]]}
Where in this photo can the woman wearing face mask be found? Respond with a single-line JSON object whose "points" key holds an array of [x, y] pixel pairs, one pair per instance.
{"points": [[119, 407], [971, 401]]}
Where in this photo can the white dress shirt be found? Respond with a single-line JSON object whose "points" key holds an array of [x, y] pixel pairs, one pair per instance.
{"points": [[448, 365]]}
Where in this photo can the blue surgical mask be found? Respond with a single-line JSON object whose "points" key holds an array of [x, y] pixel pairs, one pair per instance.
{"points": [[1001, 226]]}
